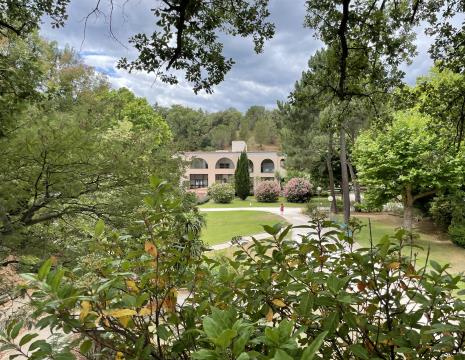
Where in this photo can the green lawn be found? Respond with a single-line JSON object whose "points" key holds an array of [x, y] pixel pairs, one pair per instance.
{"points": [[223, 226], [442, 249], [251, 202]]}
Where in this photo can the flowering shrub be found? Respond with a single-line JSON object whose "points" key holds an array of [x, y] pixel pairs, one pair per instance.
{"points": [[267, 191], [298, 190], [221, 193]]}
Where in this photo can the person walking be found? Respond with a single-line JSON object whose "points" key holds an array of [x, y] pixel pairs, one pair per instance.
{"points": [[281, 209]]}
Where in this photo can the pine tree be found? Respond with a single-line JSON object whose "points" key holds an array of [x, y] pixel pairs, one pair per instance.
{"points": [[242, 177]]}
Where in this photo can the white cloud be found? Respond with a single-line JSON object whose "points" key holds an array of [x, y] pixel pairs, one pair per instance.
{"points": [[254, 80]]}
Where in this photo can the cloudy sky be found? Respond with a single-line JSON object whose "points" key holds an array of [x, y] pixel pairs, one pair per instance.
{"points": [[254, 80]]}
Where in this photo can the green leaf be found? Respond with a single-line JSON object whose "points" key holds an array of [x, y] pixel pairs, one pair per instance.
{"points": [[211, 327], [42, 345], [272, 230], [384, 244], [15, 330], [310, 351], [436, 266], [281, 355], [99, 227], [306, 304], [56, 281], [205, 355], [243, 356], [44, 269], [85, 346], [359, 351], [26, 338], [241, 341], [225, 338], [163, 332]]}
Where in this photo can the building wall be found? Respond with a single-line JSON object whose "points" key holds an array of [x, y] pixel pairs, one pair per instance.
{"points": [[212, 158]]}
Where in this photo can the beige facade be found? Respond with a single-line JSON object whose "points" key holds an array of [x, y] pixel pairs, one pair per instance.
{"points": [[209, 167]]}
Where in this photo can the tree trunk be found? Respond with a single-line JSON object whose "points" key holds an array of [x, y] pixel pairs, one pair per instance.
{"points": [[329, 156], [408, 209], [344, 175], [353, 177]]}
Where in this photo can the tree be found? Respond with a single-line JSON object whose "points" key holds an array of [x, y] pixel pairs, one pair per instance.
{"points": [[24, 63], [83, 152], [21, 17], [253, 114], [189, 127], [265, 131], [242, 177], [441, 95], [406, 159], [221, 136], [194, 26], [244, 129]]}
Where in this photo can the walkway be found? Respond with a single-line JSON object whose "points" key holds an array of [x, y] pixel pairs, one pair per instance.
{"points": [[293, 216]]}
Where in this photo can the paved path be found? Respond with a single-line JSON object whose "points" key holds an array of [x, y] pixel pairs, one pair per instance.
{"points": [[293, 216]]}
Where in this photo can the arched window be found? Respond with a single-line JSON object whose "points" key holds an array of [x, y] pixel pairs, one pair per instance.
{"points": [[250, 166], [267, 166], [199, 163], [224, 163]]}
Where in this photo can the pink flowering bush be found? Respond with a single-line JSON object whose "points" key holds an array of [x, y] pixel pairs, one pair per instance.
{"points": [[298, 190], [267, 191]]}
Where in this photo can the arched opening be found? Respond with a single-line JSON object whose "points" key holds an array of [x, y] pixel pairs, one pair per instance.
{"points": [[224, 163], [250, 166], [199, 163], [267, 166]]}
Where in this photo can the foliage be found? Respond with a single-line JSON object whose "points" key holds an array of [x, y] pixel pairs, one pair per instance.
{"points": [[242, 177], [441, 95], [298, 190], [198, 130], [267, 191], [406, 159], [367, 207], [21, 17], [82, 151], [448, 212], [221, 193], [203, 199], [326, 300], [457, 233], [265, 131], [189, 127], [24, 63], [194, 27]]}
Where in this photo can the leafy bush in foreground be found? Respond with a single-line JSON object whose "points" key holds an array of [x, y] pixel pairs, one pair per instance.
{"points": [[298, 190], [221, 193], [267, 191], [319, 298]]}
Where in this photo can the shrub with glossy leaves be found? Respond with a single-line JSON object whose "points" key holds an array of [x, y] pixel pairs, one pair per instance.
{"points": [[318, 298], [267, 191], [221, 193], [298, 190]]}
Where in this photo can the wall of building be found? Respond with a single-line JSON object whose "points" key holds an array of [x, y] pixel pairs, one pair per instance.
{"points": [[213, 158]]}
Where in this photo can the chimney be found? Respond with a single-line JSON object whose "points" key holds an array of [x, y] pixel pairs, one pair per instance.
{"points": [[238, 146]]}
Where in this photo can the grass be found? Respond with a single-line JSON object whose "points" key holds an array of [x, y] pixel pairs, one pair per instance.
{"points": [[251, 202], [441, 248], [223, 226]]}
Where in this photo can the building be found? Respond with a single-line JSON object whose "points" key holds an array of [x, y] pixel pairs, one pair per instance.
{"points": [[209, 167]]}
